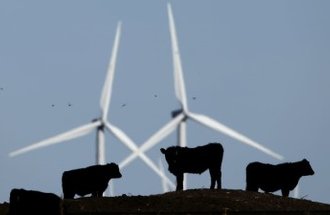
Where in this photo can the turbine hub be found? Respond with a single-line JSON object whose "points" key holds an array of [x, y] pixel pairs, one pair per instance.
{"points": [[100, 127], [177, 112]]}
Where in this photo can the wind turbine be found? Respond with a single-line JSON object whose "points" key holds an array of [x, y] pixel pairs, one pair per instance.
{"points": [[100, 124], [180, 116]]}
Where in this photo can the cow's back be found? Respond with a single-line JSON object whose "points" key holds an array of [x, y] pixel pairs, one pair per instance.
{"points": [[198, 159], [77, 181], [83, 176], [34, 202], [258, 169], [260, 175], [90, 180]]}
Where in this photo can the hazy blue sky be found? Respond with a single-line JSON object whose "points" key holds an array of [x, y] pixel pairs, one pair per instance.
{"points": [[260, 67]]}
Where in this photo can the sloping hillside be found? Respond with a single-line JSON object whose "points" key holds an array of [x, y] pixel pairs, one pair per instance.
{"points": [[202, 201], [195, 201]]}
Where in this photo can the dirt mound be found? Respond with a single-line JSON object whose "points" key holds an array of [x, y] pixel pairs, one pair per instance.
{"points": [[202, 201]]}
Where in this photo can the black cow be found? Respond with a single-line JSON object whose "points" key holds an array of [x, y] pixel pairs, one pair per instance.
{"points": [[34, 202], [195, 160], [271, 178], [90, 180]]}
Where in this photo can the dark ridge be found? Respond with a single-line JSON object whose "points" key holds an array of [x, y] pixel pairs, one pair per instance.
{"points": [[201, 201]]}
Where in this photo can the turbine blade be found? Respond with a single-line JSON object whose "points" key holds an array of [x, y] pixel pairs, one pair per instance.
{"points": [[120, 135], [133, 155], [162, 133], [161, 168], [154, 139], [135, 151], [211, 123], [74, 133], [155, 169], [128, 160], [107, 88], [179, 84]]}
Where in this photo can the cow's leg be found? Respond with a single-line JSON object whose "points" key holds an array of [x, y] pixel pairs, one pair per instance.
{"points": [[251, 186], [68, 195], [213, 179], [179, 182], [219, 180], [285, 192], [215, 175], [99, 193]]}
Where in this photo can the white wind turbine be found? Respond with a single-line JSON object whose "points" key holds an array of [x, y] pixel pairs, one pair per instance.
{"points": [[99, 124], [180, 116]]}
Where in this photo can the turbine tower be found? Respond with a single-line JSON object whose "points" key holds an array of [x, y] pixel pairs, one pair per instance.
{"points": [[180, 116], [100, 124]]}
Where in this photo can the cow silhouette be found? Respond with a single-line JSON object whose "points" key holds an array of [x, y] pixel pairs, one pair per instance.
{"points": [[34, 202], [90, 180], [271, 178], [195, 160]]}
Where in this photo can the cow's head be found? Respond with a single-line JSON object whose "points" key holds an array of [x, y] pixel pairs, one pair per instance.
{"points": [[113, 170], [306, 168], [172, 158]]}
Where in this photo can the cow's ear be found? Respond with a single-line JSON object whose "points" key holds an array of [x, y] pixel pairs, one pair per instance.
{"points": [[163, 150]]}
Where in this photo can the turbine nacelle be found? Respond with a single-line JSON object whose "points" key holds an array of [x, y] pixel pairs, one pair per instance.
{"points": [[177, 112]]}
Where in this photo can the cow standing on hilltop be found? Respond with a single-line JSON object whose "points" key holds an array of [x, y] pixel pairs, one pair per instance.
{"points": [[34, 202], [195, 160], [90, 180], [271, 178]]}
